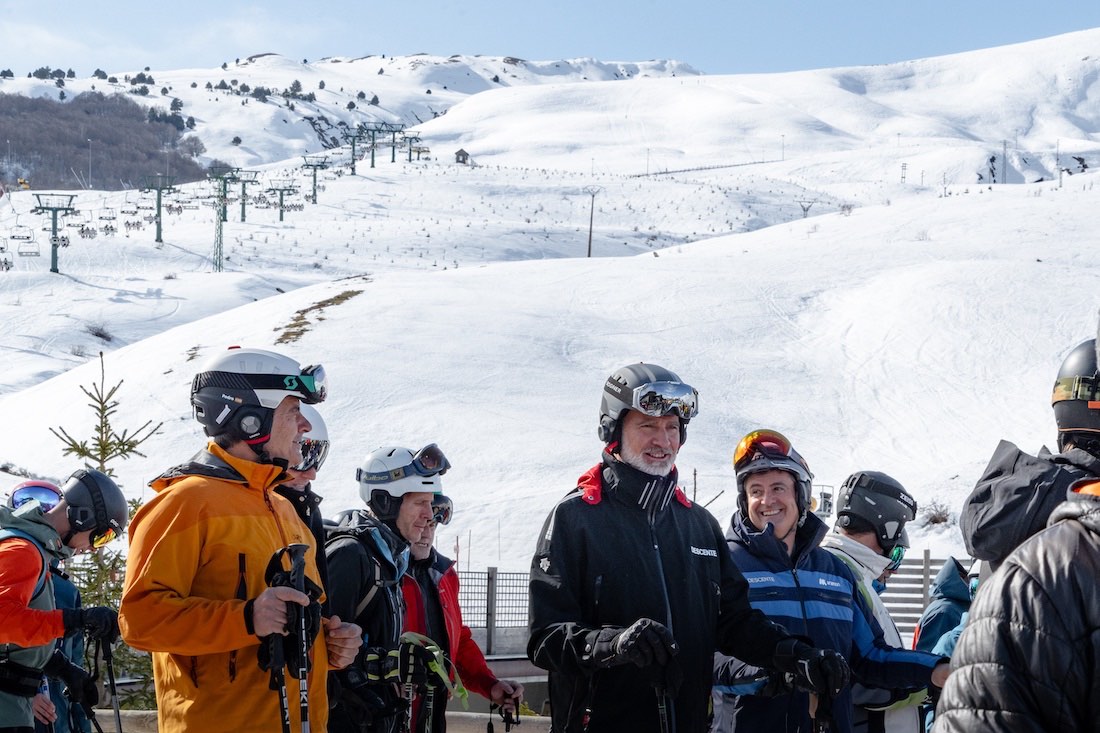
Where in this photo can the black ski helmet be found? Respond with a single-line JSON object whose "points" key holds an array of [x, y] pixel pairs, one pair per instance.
{"points": [[94, 502], [620, 393], [236, 392], [881, 502], [1076, 397]]}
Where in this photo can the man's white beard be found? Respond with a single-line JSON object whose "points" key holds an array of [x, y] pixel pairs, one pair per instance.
{"points": [[638, 461]]}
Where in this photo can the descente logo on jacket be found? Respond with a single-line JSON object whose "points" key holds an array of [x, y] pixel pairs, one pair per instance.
{"points": [[704, 551]]}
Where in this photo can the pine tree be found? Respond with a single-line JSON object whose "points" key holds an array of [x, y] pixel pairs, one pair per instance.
{"points": [[99, 575]]}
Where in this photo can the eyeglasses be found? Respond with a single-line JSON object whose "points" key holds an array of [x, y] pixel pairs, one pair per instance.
{"points": [[658, 399], [428, 461], [442, 509], [895, 555], [314, 453], [34, 492]]}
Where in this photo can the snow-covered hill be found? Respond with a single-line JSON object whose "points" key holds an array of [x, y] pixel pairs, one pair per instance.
{"points": [[912, 319]]}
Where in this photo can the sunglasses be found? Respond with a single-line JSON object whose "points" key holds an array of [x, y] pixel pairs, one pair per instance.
{"points": [[44, 496], [442, 509], [314, 453], [658, 399], [428, 461]]}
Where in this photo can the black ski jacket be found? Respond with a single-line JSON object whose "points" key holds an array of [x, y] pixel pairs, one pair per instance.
{"points": [[1015, 496], [1029, 657], [626, 545]]}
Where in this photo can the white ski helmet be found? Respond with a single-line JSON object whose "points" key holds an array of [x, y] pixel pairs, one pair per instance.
{"points": [[390, 472], [315, 442], [236, 392]]}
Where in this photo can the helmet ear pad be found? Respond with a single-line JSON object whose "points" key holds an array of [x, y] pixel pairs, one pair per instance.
{"points": [[252, 424], [384, 505]]}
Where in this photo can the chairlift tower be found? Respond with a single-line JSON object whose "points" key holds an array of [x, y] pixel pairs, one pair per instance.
{"points": [[393, 128], [162, 184], [53, 204], [315, 163], [354, 138], [221, 177], [376, 127], [282, 187], [591, 191], [246, 178], [409, 138]]}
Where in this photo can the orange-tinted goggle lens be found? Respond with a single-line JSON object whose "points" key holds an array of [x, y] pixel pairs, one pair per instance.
{"points": [[104, 537], [765, 441]]}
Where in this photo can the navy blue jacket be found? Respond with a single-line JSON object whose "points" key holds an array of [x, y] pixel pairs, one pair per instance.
{"points": [[811, 593]]}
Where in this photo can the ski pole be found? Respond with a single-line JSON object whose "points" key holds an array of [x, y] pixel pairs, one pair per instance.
{"points": [[44, 689], [108, 660], [298, 582]]}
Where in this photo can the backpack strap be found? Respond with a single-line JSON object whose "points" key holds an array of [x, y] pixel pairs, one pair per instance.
{"points": [[8, 533]]}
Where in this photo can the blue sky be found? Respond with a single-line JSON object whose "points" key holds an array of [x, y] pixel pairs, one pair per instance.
{"points": [[715, 36]]}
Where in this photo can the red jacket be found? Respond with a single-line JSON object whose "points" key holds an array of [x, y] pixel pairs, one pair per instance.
{"points": [[463, 651]]}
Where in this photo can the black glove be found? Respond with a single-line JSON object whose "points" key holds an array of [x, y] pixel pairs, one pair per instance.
{"points": [[644, 643], [817, 670], [412, 663], [98, 621], [80, 686]]}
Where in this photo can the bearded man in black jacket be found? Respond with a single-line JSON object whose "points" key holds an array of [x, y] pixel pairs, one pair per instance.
{"points": [[632, 589]]}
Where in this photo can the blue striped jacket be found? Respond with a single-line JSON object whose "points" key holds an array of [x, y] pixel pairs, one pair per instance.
{"points": [[811, 593]]}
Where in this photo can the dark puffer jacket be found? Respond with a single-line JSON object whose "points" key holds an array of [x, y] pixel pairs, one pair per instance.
{"points": [[1029, 658]]}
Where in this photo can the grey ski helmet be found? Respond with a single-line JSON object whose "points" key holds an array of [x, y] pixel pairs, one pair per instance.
{"points": [[1076, 397], [767, 450], [879, 501], [649, 389], [236, 392], [95, 503]]}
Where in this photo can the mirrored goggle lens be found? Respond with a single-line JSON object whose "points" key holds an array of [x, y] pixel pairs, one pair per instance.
{"points": [[973, 586], [896, 556], [314, 453], [314, 384], [441, 509], [48, 499], [103, 537], [658, 399], [768, 442], [430, 460]]}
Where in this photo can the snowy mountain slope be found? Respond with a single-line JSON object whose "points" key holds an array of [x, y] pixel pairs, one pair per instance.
{"points": [[905, 325]]}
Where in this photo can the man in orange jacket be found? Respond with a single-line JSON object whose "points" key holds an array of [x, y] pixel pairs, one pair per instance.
{"points": [[196, 592]]}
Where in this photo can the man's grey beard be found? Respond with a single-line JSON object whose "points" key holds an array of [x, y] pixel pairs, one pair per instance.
{"points": [[637, 460]]}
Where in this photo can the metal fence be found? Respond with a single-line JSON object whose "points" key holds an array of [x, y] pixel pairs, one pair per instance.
{"points": [[493, 600]]}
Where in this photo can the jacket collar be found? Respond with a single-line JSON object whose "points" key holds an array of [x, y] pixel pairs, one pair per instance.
{"points": [[867, 558], [1081, 504], [764, 542], [215, 462]]}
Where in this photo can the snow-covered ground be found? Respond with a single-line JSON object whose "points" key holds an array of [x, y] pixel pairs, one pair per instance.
{"points": [[910, 321]]}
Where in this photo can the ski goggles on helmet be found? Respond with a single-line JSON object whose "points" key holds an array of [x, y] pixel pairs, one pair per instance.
{"points": [[1077, 388], [442, 509], [311, 385], [658, 399], [314, 453], [767, 444], [45, 496], [428, 461]]}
